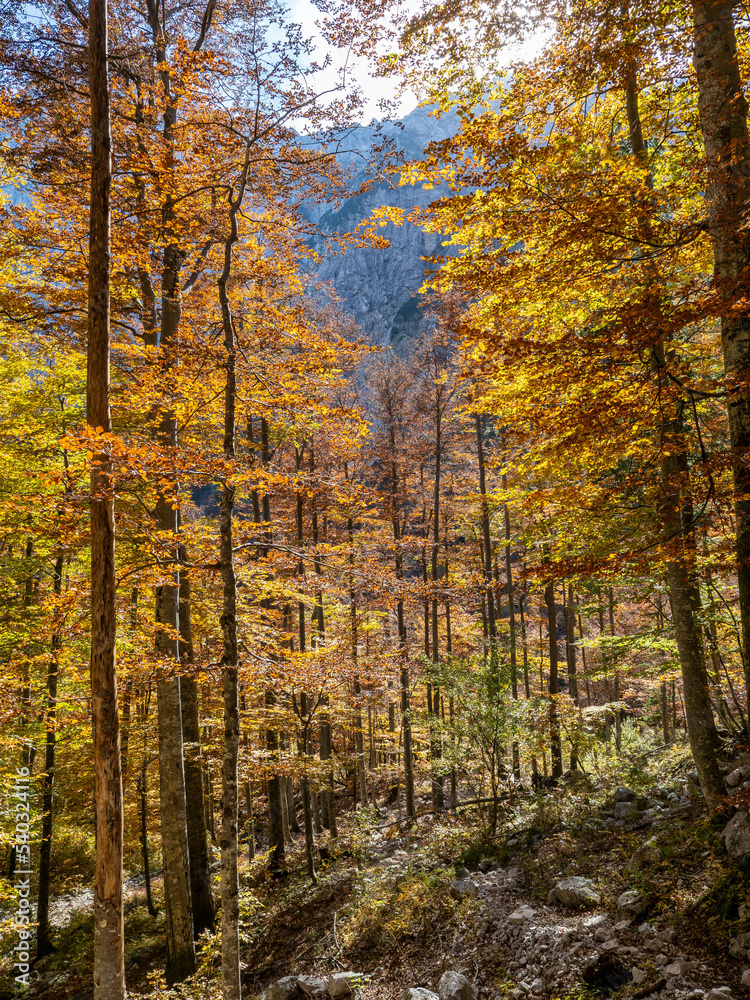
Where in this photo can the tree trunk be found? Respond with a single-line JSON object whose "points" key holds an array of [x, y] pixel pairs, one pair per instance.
{"points": [[178, 901], [43, 939], [230, 886], [723, 119], [554, 723], [109, 954]]}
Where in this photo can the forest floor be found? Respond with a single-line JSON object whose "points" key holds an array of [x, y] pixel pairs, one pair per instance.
{"points": [[393, 903]]}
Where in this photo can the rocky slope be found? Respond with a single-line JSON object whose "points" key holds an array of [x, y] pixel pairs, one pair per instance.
{"points": [[379, 288]]}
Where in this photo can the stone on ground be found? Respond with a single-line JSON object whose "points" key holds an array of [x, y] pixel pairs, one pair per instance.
{"points": [[282, 989], [418, 993], [575, 891], [625, 795], [631, 904], [454, 986], [341, 984], [312, 986], [736, 835], [463, 888]]}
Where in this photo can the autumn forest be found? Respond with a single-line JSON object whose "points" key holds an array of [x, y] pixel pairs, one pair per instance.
{"points": [[276, 592]]}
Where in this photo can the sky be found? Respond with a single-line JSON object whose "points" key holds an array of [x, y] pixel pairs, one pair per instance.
{"points": [[375, 89]]}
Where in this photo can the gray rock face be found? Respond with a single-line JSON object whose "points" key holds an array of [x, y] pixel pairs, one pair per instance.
{"points": [[631, 904], [312, 986], [736, 835], [419, 993], [282, 989], [575, 891], [454, 986], [463, 888], [379, 287]]}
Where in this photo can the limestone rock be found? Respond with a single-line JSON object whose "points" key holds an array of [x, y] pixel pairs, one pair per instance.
{"points": [[625, 810], [625, 795], [575, 891], [418, 993], [738, 947], [631, 904], [342, 984], [736, 835], [282, 989], [736, 777], [463, 888], [646, 854], [312, 986], [454, 986]]}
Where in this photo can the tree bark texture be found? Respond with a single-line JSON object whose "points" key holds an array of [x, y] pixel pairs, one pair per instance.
{"points": [[109, 956]]}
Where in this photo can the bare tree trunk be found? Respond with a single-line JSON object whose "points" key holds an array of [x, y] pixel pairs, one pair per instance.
{"points": [[554, 723], [109, 954], [723, 118], [43, 939]]}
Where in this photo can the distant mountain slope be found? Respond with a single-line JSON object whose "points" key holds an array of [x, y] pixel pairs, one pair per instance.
{"points": [[379, 287]]}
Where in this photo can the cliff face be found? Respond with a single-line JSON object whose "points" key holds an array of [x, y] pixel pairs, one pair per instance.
{"points": [[379, 288]]}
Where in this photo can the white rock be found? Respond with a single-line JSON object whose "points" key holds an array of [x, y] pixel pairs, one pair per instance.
{"points": [[455, 986], [638, 974], [341, 984], [419, 993], [575, 891]]}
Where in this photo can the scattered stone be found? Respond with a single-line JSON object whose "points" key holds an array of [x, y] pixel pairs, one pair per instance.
{"points": [[737, 776], [646, 854], [625, 810], [605, 974], [341, 984], [312, 986], [678, 968], [660, 960], [575, 891], [622, 925], [625, 795], [485, 865], [638, 974], [631, 904], [719, 993], [738, 946], [736, 835], [454, 986], [463, 888], [745, 977], [282, 989], [537, 986], [521, 915], [419, 993], [463, 873]]}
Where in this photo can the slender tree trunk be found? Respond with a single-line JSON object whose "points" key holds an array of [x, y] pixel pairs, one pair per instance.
{"points": [[723, 119], [554, 723], [677, 519], [230, 907], [436, 753], [109, 954], [143, 797], [402, 638], [43, 939]]}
